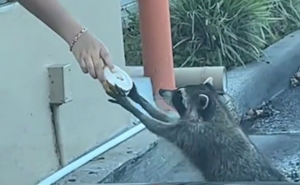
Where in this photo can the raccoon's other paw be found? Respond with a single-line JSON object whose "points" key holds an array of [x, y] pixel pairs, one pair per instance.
{"points": [[133, 94]]}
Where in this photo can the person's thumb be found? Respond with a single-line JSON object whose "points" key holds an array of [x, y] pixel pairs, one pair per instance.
{"points": [[110, 66]]}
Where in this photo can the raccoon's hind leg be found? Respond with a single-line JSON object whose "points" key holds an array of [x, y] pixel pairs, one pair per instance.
{"points": [[153, 112], [155, 126]]}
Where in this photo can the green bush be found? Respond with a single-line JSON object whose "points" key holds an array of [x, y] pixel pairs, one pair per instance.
{"points": [[132, 38], [218, 32], [214, 32], [288, 19]]}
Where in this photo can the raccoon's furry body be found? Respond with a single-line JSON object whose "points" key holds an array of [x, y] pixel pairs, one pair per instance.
{"points": [[205, 132]]}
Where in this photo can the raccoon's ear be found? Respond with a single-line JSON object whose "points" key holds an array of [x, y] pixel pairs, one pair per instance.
{"points": [[203, 101], [209, 80]]}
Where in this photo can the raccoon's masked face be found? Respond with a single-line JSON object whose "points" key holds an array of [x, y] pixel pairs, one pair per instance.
{"points": [[199, 99]]}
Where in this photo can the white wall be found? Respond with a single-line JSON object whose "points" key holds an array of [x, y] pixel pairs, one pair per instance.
{"points": [[27, 47]]}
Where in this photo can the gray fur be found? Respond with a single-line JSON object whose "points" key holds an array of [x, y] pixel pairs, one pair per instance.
{"points": [[205, 132]]}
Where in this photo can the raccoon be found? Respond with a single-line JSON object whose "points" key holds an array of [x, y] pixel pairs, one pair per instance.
{"points": [[205, 132]]}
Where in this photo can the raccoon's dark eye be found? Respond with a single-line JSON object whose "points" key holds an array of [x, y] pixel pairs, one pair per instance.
{"points": [[178, 92]]}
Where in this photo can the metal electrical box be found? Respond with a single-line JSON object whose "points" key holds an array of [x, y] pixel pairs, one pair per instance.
{"points": [[60, 83]]}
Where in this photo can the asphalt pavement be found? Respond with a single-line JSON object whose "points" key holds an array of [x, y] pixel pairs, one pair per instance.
{"points": [[285, 118]]}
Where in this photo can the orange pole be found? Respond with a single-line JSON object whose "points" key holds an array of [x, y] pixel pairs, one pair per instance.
{"points": [[157, 43]]}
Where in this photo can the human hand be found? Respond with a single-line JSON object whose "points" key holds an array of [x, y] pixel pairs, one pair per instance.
{"points": [[92, 56]]}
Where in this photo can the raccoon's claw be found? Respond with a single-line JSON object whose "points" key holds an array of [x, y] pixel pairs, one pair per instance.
{"points": [[112, 101]]}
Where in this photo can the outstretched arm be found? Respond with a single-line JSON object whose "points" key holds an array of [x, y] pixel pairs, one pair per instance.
{"points": [[153, 125], [154, 112], [52, 13], [91, 54]]}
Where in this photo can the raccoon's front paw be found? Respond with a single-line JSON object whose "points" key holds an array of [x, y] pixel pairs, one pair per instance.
{"points": [[118, 95]]}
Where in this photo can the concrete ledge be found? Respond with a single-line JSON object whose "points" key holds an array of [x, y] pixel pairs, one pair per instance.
{"points": [[249, 86]]}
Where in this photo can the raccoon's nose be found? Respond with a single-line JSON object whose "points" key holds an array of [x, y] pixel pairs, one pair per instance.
{"points": [[161, 92]]}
